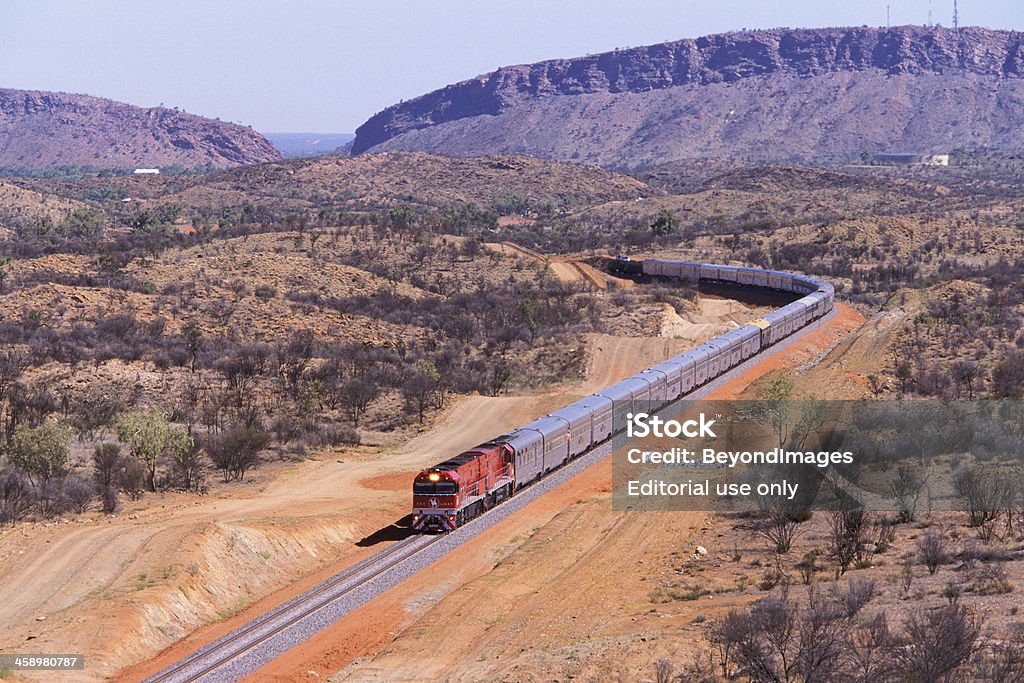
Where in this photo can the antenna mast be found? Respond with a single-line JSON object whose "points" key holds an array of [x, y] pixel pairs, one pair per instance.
{"points": [[956, 17], [887, 24], [930, 24]]}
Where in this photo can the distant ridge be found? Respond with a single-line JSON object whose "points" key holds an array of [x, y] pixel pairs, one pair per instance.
{"points": [[776, 95], [44, 129]]}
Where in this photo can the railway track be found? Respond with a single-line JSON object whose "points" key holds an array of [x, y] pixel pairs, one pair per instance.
{"points": [[214, 661], [255, 644]]}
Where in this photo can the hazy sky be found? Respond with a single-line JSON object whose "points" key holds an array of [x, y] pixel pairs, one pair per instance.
{"points": [[323, 66]]}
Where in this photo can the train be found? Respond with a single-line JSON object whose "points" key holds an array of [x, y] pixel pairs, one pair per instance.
{"points": [[459, 489]]}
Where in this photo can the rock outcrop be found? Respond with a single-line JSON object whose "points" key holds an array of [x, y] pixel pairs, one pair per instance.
{"points": [[46, 129], [776, 95]]}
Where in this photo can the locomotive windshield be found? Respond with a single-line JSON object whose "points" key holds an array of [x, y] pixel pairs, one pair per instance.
{"points": [[427, 488]]}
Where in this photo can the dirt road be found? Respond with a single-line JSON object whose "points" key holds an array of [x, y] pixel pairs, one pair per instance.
{"points": [[564, 268]]}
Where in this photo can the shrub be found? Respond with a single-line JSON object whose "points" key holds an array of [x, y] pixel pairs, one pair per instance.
{"points": [[266, 291], [991, 578], [188, 470], [869, 655], [933, 550], [16, 496], [663, 671], [109, 500], [937, 643], [906, 488], [78, 494], [132, 478], [858, 594], [983, 492], [1004, 663], [778, 529], [823, 640], [107, 462], [333, 435], [236, 450], [848, 538]]}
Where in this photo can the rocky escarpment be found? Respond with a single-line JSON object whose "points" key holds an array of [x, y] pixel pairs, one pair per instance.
{"points": [[840, 91], [45, 129]]}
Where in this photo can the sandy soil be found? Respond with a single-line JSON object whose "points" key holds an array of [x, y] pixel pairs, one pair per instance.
{"points": [[120, 588], [563, 589]]}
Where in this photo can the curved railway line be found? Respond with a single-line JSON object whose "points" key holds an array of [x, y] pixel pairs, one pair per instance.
{"points": [[250, 647]]}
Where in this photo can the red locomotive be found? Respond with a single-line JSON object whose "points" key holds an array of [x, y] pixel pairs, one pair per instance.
{"points": [[451, 493]]}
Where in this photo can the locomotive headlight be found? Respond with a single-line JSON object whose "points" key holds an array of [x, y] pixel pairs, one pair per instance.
{"points": [[434, 476]]}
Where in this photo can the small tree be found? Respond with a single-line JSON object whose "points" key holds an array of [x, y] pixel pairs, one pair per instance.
{"points": [[355, 396], [665, 223], [904, 373], [419, 386], [876, 384], [107, 463], [150, 437], [42, 452], [5, 261], [772, 408], [12, 365], [188, 469], [194, 341], [93, 411], [1008, 376], [85, 223], [965, 373], [848, 538]]}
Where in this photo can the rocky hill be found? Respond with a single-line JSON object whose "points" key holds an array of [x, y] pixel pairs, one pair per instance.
{"points": [[830, 94], [45, 129], [367, 182]]}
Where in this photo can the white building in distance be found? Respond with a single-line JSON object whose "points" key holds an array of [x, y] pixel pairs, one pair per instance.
{"points": [[912, 159]]}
